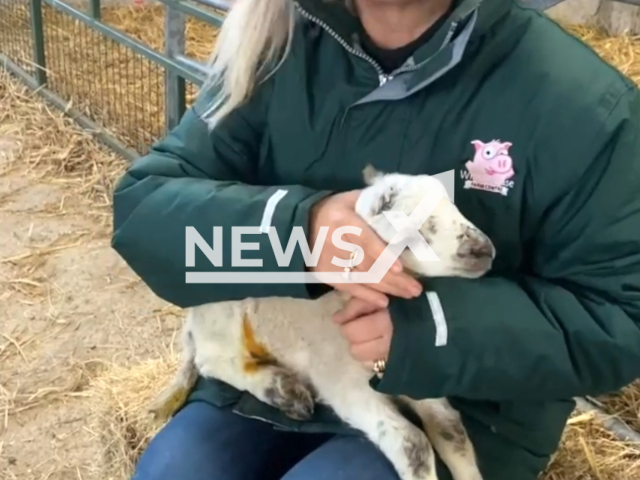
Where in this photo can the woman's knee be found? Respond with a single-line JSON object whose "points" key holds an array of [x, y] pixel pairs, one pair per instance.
{"points": [[203, 442], [182, 449], [344, 458]]}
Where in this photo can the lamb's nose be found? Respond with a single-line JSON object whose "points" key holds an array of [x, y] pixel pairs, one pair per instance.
{"points": [[476, 245], [479, 249]]}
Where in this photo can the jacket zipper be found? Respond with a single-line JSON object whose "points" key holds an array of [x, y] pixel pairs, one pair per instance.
{"points": [[382, 77]]}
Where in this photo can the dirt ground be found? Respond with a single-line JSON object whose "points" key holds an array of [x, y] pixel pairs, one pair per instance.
{"points": [[69, 304]]}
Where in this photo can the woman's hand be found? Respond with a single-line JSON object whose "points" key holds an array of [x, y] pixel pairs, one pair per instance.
{"points": [[367, 328], [337, 211]]}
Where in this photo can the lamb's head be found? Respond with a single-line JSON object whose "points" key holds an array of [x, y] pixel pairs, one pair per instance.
{"points": [[462, 249]]}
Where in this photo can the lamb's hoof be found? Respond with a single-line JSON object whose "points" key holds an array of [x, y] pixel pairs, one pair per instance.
{"points": [[288, 394]]}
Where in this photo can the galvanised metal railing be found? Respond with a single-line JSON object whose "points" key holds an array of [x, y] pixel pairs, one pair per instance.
{"points": [[124, 90], [70, 54]]}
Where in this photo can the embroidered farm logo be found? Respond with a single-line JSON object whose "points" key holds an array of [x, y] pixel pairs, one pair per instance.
{"points": [[491, 168]]}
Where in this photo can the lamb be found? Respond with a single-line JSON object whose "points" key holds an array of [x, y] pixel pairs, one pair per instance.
{"points": [[289, 353]]}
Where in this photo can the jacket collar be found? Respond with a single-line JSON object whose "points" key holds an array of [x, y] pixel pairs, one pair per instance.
{"points": [[468, 23]]}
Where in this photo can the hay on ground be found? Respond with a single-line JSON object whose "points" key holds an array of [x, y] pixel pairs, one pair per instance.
{"points": [[39, 141], [624, 404], [53, 146], [46, 144], [590, 452], [120, 398]]}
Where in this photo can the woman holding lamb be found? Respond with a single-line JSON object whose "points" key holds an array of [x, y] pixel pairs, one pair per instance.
{"points": [[544, 139]]}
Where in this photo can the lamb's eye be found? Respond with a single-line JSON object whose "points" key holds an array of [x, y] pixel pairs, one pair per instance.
{"points": [[386, 201], [432, 226]]}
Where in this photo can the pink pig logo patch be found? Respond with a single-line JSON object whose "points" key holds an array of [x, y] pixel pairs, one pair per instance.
{"points": [[491, 168]]}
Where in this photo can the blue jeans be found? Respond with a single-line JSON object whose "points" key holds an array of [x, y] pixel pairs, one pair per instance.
{"points": [[203, 442]]}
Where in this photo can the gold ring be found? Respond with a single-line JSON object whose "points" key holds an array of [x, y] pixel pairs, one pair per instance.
{"points": [[379, 367], [351, 257], [347, 270]]}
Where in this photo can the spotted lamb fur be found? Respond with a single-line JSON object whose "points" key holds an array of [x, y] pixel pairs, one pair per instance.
{"points": [[289, 354]]}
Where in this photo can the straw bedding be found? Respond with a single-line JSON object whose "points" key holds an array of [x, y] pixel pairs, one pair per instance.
{"points": [[120, 89], [115, 395], [68, 305]]}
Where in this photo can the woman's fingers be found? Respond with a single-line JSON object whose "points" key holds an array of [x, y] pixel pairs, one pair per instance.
{"points": [[371, 351], [369, 336], [393, 285], [337, 212], [372, 245], [365, 293], [356, 307], [396, 281], [350, 198]]}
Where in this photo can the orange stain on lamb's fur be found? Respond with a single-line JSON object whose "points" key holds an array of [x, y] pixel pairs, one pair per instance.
{"points": [[256, 354]]}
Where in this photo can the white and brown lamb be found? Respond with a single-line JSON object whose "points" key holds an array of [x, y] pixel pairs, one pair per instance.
{"points": [[290, 354]]}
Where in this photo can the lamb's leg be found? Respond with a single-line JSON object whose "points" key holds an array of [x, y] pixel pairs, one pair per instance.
{"points": [[176, 393], [270, 383], [284, 390], [446, 431], [355, 402]]}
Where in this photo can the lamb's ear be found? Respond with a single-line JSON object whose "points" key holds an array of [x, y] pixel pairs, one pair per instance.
{"points": [[365, 205], [370, 174]]}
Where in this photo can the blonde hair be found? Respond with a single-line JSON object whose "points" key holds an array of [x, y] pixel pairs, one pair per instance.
{"points": [[255, 35]]}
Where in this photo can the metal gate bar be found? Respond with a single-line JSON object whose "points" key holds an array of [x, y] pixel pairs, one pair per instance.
{"points": [[37, 71]]}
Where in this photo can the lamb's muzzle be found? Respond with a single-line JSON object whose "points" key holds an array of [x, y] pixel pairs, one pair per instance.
{"points": [[476, 252]]}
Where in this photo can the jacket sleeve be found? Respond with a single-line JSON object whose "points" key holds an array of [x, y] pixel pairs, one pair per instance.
{"points": [[203, 179], [571, 329]]}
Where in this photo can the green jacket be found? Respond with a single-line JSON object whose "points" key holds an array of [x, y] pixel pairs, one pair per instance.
{"points": [[559, 314]]}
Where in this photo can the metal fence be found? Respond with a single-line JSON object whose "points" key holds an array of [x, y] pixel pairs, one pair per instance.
{"points": [[127, 89], [128, 85]]}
